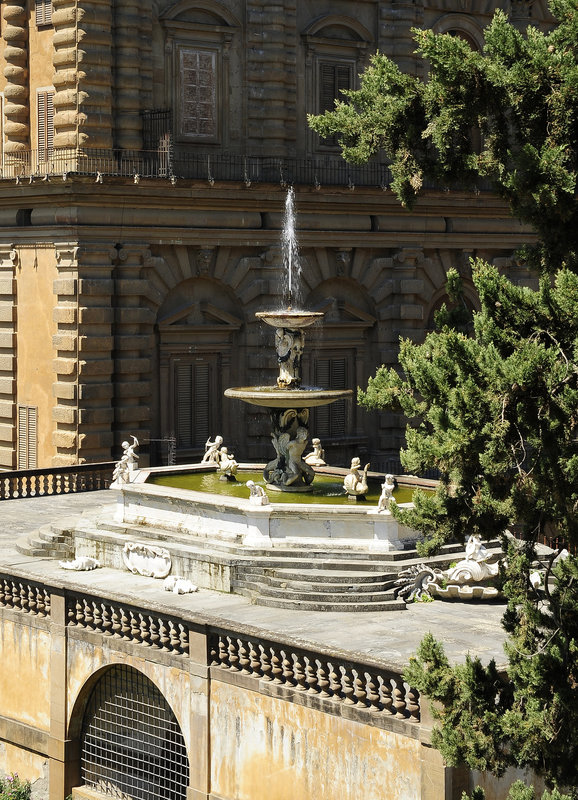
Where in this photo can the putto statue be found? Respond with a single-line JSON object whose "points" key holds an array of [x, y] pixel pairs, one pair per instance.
{"points": [[289, 345], [355, 482], [317, 457], [387, 489], [257, 495], [212, 451], [127, 466], [227, 464]]}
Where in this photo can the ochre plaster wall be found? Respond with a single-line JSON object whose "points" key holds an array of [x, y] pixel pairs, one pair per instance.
{"points": [[41, 71], [35, 327], [25, 674], [263, 748]]}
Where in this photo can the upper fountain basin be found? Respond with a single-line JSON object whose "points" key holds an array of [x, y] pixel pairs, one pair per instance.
{"points": [[274, 397], [289, 318]]}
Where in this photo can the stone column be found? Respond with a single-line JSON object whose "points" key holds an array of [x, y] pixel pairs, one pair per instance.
{"points": [[8, 263], [15, 35], [271, 75], [84, 343], [127, 76]]}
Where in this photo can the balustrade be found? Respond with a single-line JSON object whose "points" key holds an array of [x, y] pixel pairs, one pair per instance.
{"points": [[49, 481], [332, 680], [24, 596]]}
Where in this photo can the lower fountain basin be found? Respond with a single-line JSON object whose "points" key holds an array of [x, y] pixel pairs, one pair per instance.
{"points": [[274, 397], [213, 517]]}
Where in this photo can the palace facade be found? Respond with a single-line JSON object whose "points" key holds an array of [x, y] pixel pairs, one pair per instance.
{"points": [[146, 152]]}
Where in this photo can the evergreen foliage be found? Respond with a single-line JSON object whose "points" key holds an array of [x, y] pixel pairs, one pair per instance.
{"points": [[520, 92], [493, 405]]}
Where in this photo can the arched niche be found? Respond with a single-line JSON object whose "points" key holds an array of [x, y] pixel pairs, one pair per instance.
{"points": [[129, 739], [462, 26], [197, 326]]}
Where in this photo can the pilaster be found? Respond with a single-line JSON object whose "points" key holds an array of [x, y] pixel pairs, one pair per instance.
{"points": [[396, 19], [94, 48], [83, 389], [15, 35], [65, 21], [8, 263], [127, 76], [271, 75]]}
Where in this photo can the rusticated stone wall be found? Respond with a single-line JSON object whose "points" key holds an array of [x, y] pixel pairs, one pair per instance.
{"points": [[8, 263], [16, 94]]}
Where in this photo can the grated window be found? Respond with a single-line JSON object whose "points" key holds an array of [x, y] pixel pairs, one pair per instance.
{"points": [[132, 746]]}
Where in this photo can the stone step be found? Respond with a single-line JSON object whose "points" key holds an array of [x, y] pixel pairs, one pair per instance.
{"points": [[351, 595], [328, 605], [328, 578]]}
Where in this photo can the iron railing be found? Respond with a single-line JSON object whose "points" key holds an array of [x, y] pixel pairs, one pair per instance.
{"points": [[167, 161]]}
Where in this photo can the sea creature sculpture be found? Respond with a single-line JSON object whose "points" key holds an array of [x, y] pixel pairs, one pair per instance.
{"points": [[355, 482], [179, 585], [80, 564]]}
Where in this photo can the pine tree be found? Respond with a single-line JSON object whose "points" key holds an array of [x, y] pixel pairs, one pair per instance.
{"points": [[494, 406]]}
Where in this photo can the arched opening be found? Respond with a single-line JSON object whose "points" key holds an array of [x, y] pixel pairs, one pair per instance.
{"points": [[131, 742]]}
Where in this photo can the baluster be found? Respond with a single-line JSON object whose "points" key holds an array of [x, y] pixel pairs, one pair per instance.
{"points": [[323, 679], [224, 652], [16, 600], [254, 660], [79, 611], [70, 612], [97, 617], [413, 706], [124, 624], [135, 631], [40, 604], [174, 641], [311, 676], [2, 592], [24, 597], [47, 602], [184, 640], [399, 698], [373, 692], [359, 690], [299, 671], [287, 666], [87, 615], [233, 654], [244, 661], [154, 629], [213, 652], [164, 637], [335, 682], [106, 620], [386, 695], [266, 666], [116, 625], [347, 686], [276, 666], [145, 633], [32, 604]]}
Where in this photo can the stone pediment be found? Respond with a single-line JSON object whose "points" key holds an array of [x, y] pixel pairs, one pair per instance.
{"points": [[202, 314], [339, 312]]}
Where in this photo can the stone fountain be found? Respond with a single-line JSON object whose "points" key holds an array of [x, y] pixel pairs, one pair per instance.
{"points": [[289, 402]]}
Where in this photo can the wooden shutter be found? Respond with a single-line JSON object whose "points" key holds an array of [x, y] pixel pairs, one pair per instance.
{"points": [[198, 93], [43, 12], [192, 410], [333, 77], [27, 437], [331, 420], [45, 109]]}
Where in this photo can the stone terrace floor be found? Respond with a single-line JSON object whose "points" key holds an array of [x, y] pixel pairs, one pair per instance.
{"points": [[390, 637]]}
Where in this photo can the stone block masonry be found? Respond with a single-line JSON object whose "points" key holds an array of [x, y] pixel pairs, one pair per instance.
{"points": [[8, 262]]}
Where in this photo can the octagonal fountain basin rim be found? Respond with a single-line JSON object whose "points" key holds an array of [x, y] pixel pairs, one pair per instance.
{"points": [[274, 397], [289, 318]]}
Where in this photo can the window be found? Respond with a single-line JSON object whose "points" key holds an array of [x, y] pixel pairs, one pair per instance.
{"points": [[198, 102], [332, 421], [43, 12], [334, 76], [45, 111], [27, 437], [193, 401]]}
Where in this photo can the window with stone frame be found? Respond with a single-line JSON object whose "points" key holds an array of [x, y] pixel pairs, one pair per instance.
{"points": [[45, 123], [198, 101], [332, 372], [43, 12], [27, 447]]}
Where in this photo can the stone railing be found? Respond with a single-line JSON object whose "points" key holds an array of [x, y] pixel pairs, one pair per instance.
{"points": [[55, 480], [330, 682], [22, 595]]}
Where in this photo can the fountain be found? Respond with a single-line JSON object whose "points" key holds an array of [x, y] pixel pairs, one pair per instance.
{"points": [[288, 402]]}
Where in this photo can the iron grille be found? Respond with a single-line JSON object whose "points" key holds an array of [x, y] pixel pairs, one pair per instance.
{"points": [[132, 746]]}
